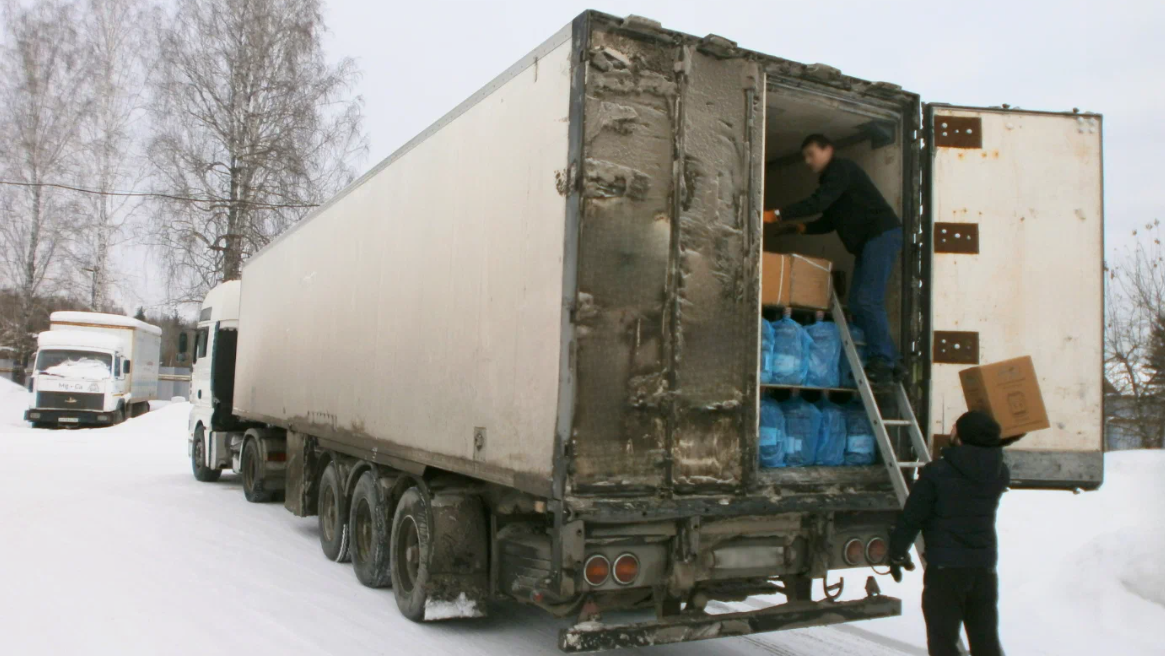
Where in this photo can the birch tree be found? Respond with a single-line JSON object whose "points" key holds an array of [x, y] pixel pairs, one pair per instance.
{"points": [[116, 40], [250, 116], [1134, 336], [42, 72]]}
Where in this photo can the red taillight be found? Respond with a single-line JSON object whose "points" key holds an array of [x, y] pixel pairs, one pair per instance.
{"points": [[854, 550], [276, 457], [626, 569], [596, 571], [876, 550]]}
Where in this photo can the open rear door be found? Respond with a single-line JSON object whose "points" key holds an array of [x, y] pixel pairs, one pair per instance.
{"points": [[1016, 251]]}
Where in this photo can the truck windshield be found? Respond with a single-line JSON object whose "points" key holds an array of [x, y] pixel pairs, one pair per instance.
{"points": [[86, 364]]}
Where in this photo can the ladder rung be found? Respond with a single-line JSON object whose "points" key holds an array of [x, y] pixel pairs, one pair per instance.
{"points": [[896, 422], [912, 464]]}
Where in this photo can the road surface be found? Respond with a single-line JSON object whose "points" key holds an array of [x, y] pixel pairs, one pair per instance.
{"points": [[111, 547]]}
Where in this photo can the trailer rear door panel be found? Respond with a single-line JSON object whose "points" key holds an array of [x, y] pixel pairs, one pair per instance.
{"points": [[1017, 269]]}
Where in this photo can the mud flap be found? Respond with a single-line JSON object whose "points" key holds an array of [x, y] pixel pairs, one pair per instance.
{"points": [[594, 636], [459, 568]]}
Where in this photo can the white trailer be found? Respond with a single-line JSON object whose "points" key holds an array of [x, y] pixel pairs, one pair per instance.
{"points": [[94, 369], [519, 359]]}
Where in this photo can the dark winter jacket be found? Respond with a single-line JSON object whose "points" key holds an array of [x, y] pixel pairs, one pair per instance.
{"points": [[849, 203], [953, 503]]}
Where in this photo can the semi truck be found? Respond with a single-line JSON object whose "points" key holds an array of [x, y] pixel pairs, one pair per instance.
{"points": [[93, 369], [518, 359]]}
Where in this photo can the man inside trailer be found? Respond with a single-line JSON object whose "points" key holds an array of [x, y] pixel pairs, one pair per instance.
{"points": [[852, 206]]}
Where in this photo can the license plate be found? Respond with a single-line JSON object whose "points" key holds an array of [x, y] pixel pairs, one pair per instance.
{"points": [[67, 420]]}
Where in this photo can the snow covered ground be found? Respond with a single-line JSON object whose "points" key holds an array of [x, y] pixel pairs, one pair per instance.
{"points": [[109, 546]]}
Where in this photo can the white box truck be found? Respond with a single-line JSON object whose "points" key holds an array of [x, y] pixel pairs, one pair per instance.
{"points": [[94, 369], [519, 358]]}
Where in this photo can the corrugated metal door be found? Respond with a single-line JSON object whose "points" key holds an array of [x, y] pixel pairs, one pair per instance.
{"points": [[1017, 233]]}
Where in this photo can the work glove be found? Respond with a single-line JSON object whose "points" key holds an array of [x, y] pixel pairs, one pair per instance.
{"points": [[899, 564], [772, 216]]}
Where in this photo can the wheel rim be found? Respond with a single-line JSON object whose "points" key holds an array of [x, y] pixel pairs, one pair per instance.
{"points": [[251, 471], [328, 513], [363, 530], [408, 554], [197, 455]]}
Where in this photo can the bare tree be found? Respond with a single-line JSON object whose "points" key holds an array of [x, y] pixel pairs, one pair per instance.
{"points": [[42, 70], [1134, 337], [249, 115], [115, 37]]}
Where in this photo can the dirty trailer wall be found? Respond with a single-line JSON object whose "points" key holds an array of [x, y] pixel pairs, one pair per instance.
{"points": [[668, 285]]}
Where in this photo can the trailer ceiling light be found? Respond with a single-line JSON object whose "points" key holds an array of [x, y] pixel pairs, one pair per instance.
{"points": [[626, 569], [597, 570], [854, 550], [876, 551]]}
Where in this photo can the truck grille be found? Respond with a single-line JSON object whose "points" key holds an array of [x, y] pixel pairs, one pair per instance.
{"points": [[70, 401]]}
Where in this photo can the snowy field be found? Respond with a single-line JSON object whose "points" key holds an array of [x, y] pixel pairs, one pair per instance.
{"points": [[109, 546]]}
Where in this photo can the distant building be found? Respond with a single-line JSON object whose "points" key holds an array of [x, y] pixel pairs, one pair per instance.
{"points": [[1121, 420]]}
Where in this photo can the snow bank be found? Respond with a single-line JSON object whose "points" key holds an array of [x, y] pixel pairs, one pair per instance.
{"points": [[1079, 574]]}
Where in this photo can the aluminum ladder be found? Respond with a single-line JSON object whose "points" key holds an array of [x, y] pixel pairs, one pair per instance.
{"points": [[904, 419], [904, 415]]}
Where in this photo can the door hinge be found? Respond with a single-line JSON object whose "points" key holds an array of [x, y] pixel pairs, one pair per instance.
{"points": [[956, 238], [958, 131], [955, 347]]}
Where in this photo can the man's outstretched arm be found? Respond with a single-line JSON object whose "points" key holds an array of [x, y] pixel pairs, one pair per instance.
{"points": [[833, 185], [918, 509]]}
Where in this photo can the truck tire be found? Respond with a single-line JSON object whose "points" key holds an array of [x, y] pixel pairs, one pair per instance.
{"points": [[440, 556], [118, 415], [252, 470], [333, 516], [411, 553], [201, 471], [369, 526]]}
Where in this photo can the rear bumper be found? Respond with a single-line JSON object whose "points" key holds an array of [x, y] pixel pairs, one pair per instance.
{"points": [[595, 636], [69, 417]]}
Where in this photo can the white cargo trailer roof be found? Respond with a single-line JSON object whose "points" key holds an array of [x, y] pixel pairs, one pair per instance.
{"points": [[77, 339], [101, 319]]}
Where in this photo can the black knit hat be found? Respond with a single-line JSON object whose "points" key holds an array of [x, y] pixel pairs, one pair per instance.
{"points": [[978, 429]]}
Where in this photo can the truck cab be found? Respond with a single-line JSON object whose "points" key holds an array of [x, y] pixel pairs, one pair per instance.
{"points": [[93, 369], [218, 439]]}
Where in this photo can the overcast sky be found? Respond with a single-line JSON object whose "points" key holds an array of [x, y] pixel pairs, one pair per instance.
{"points": [[420, 59]]}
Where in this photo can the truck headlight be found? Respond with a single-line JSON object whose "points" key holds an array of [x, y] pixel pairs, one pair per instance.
{"points": [[34, 415]]}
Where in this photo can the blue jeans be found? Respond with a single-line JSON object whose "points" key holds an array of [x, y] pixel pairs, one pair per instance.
{"points": [[867, 294]]}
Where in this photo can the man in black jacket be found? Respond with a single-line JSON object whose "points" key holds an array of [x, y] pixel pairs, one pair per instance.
{"points": [[850, 204], [953, 503]]}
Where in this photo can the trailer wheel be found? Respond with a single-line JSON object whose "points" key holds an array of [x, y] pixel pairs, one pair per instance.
{"points": [[252, 469], [197, 455], [333, 516], [411, 551], [440, 556], [369, 528]]}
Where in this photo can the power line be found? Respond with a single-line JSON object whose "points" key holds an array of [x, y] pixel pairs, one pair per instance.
{"points": [[147, 194]]}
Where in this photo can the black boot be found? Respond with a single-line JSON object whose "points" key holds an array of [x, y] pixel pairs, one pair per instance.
{"points": [[879, 372], [901, 373]]}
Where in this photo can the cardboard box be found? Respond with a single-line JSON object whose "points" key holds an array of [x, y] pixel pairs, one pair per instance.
{"points": [[1008, 391], [796, 281]]}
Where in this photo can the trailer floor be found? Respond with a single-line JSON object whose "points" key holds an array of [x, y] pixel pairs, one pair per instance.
{"points": [[111, 547]]}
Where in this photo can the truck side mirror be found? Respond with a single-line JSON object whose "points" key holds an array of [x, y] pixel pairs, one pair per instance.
{"points": [[183, 343], [125, 366]]}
